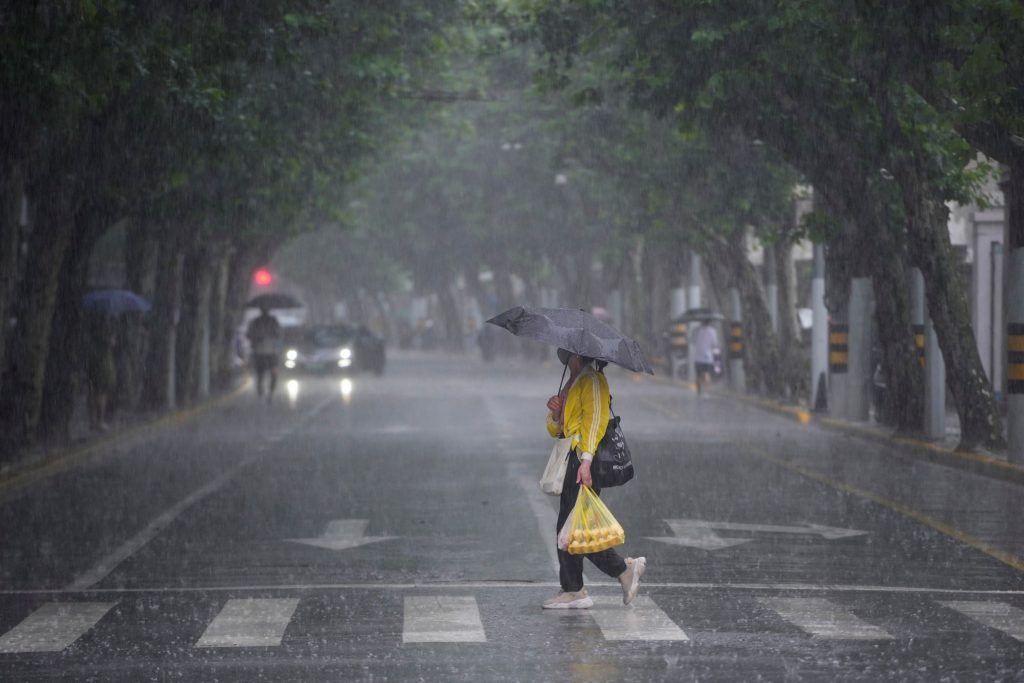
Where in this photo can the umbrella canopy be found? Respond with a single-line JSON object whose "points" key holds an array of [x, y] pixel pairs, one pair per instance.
{"points": [[273, 300], [574, 330], [700, 314], [114, 302]]}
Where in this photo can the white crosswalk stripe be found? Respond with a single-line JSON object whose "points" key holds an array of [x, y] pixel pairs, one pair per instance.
{"points": [[442, 619], [824, 619], [997, 615], [250, 622], [263, 622], [53, 627], [643, 620]]}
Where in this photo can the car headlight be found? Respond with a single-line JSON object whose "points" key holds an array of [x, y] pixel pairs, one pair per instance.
{"points": [[345, 353], [291, 354]]}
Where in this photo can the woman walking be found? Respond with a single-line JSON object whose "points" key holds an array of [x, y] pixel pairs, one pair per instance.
{"points": [[580, 411]]}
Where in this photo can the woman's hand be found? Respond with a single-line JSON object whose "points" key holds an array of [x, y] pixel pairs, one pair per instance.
{"points": [[555, 404], [583, 475]]}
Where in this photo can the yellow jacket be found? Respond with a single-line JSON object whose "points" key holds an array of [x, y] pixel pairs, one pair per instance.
{"points": [[586, 411]]}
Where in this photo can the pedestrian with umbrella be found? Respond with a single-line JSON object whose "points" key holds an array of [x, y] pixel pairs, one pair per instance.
{"points": [[264, 334], [102, 306], [704, 344], [580, 411]]}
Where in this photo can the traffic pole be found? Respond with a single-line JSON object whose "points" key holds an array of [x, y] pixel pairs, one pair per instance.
{"points": [[1015, 355], [819, 332], [737, 375], [693, 301], [934, 366], [859, 363], [772, 287]]}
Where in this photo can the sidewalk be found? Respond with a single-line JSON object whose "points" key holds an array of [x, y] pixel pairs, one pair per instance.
{"points": [[53, 456]]}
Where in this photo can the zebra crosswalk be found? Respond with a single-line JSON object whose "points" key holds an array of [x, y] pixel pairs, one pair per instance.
{"points": [[454, 618]]}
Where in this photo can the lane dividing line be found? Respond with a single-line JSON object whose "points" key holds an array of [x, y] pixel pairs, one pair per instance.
{"points": [[1006, 558], [105, 566], [442, 619], [824, 619], [517, 585], [53, 627], [250, 622]]}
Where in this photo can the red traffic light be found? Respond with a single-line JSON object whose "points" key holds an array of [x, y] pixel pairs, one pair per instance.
{"points": [[262, 277]]}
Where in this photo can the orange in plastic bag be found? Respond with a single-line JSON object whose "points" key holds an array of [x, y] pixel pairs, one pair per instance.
{"points": [[591, 527]]}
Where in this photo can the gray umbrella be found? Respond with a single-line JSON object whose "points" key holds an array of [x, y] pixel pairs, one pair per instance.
{"points": [[700, 314], [577, 331]]}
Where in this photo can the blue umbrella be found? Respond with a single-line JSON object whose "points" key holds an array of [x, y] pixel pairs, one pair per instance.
{"points": [[115, 302]]}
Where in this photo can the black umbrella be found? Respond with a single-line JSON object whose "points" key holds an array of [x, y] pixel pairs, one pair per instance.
{"points": [[273, 300], [577, 331], [114, 302], [700, 314]]}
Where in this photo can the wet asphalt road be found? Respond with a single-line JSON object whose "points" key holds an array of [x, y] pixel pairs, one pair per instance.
{"points": [[391, 529]]}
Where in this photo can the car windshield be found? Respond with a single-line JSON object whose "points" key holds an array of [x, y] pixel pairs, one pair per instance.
{"points": [[331, 335]]}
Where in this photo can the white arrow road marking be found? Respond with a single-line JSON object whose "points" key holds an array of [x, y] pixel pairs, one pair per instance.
{"points": [[53, 627], [696, 533], [342, 534]]}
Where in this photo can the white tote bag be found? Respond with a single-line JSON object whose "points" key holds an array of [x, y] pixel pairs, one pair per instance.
{"points": [[554, 473]]}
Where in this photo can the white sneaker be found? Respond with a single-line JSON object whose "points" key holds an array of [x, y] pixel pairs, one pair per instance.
{"points": [[570, 600], [630, 579]]}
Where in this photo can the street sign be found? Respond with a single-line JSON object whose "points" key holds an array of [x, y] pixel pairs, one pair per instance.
{"points": [[342, 534], [696, 533]]}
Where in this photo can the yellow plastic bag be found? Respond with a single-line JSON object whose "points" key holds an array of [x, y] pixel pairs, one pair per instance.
{"points": [[591, 527]]}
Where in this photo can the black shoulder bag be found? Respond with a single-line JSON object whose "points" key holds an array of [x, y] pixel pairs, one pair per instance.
{"points": [[613, 465]]}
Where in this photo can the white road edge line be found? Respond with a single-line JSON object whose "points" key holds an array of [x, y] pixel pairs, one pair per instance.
{"points": [[105, 566]]}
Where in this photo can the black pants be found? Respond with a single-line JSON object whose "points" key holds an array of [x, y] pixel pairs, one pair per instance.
{"points": [[570, 567], [264, 363]]}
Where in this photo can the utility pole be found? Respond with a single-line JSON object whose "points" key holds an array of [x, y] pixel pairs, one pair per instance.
{"points": [[693, 300], [819, 332], [1013, 192], [772, 286], [934, 366]]}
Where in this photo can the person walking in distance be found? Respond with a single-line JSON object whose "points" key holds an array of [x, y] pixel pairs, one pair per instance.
{"points": [[580, 411], [703, 346], [264, 334]]}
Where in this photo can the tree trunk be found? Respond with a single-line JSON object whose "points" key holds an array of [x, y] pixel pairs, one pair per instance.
{"points": [[66, 353], [729, 267], [140, 256], [931, 251], [21, 401], [219, 337], [197, 281], [11, 191], [162, 324]]}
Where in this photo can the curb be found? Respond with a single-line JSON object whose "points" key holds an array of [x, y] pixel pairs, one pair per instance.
{"points": [[63, 459], [970, 461]]}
